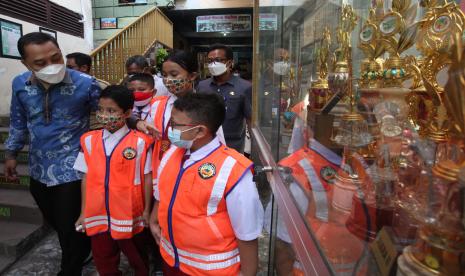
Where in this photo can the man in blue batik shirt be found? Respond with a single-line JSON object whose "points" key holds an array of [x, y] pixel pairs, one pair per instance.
{"points": [[51, 105]]}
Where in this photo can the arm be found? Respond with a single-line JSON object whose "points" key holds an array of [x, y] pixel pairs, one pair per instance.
{"points": [[17, 136], [80, 221], [147, 198], [248, 107], [248, 251], [246, 215], [94, 95], [154, 224]]}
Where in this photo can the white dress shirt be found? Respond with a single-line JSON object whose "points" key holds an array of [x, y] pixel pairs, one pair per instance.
{"points": [[243, 204], [142, 113], [160, 87], [111, 140]]}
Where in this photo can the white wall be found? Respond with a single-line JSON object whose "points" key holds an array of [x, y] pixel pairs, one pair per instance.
{"points": [[74, 5], [9, 68]]}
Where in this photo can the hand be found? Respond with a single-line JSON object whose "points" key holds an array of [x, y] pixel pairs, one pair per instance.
{"points": [[146, 218], [156, 231], [10, 170], [148, 129], [79, 224]]}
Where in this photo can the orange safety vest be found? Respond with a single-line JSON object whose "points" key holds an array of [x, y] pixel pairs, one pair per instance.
{"points": [[157, 111], [197, 235], [314, 168], [115, 184]]}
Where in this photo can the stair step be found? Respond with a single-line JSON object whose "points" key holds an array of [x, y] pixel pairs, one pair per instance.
{"points": [[5, 121], [16, 238], [6, 262], [21, 183], [4, 131], [18, 205]]}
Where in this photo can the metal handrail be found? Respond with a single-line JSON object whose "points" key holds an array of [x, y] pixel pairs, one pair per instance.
{"points": [[303, 242], [108, 60]]}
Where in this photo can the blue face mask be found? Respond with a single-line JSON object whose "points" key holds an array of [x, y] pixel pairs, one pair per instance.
{"points": [[174, 135]]}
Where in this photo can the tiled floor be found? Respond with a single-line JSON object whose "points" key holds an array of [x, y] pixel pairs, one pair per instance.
{"points": [[44, 260]]}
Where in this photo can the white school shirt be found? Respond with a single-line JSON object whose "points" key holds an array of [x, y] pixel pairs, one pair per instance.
{"points": [[167, 117], [243, 203], [160, 86], [111, 140], [143, 113]]}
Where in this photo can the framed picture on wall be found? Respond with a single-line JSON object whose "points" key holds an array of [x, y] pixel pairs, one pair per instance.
{"points": [[109, 23], [10, 33], [48, 31]]}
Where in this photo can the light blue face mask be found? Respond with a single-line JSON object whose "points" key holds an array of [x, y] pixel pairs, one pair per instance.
{"points": [[174, 135]]}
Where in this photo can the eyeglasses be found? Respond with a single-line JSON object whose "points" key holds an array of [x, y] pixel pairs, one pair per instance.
{"points": [[211, 60], [173, 124]]}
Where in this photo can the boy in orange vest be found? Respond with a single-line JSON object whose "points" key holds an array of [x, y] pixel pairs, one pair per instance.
{"points": [[142, 86], [207, 214], [117, 186]]}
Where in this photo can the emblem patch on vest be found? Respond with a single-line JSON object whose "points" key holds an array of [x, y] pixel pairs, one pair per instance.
{"points": [[207, 170], [129, 153], [328, 173]]}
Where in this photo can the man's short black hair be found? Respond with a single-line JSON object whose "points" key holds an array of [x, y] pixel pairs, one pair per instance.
{"points": [[227, 50], [34, 38], [122, 96], [143, 77], [139, 60], [81, 59], [206, 109]]}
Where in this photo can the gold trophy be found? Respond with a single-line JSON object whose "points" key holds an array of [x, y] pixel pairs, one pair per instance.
{"points": [[319, 91], [440, 248]]}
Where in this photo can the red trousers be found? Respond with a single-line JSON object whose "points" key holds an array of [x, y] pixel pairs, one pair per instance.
{"points": [[106, 252]]}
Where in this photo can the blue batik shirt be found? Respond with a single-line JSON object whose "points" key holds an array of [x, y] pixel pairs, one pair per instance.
{"points": [[54, 119]]}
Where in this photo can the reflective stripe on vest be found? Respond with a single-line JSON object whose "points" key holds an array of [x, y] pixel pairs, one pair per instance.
{"points": [[88, 143], [117, 225], [154, 109], [231, 257], [325, 152], [318, 191], [220, 185], [164, 160], [140, 150]]}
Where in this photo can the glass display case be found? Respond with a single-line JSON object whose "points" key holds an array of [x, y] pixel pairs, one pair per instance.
{"points": [[359, 123]]}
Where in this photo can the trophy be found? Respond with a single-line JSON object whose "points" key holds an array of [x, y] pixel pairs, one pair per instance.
{"points": [[319, 91], [440, 248]]}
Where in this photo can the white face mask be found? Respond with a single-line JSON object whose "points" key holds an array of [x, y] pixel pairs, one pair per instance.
{"points": [[217, 68], [281, 68], [52, 74], [142, 102]]}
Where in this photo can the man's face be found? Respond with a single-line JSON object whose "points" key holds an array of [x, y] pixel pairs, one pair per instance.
{"points": [[134, 69], [38, 56], [218, 55], [71, 64]]}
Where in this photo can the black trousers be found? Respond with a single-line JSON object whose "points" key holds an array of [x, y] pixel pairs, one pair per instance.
{"points": [[61, 205]]}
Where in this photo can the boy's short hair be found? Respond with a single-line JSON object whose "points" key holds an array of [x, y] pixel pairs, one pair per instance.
{"points": [[207, 109], [143, 77], [120, 94]]}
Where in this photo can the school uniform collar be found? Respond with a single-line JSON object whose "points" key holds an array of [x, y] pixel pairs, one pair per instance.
{"points": [[119, 134], [204, 151]]}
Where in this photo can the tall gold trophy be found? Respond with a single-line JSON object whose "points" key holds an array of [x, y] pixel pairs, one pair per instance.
{"points": [[440, 248]]}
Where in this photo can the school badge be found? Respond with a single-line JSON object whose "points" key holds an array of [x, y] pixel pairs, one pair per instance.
{"points": [[129, 153], [207, 170], [328, 173]]}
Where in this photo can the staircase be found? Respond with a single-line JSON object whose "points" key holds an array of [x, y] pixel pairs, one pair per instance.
{"points": [[21, 223], [138, 38]]}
